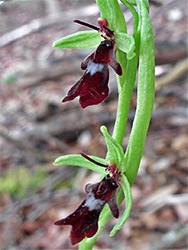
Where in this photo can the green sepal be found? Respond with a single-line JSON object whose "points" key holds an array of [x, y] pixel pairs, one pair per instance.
{"points": [[125, 185], [88, 39], [126, 44], [78, 160], [115, 151]]}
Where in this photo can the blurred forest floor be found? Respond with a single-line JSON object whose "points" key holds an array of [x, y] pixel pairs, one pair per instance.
{"points": [[35, 128]]}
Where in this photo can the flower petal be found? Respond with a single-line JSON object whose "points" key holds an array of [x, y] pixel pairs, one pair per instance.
{"points": [[86, 61], [88, 228], [84, 220], [92, 87], [74, 91]]}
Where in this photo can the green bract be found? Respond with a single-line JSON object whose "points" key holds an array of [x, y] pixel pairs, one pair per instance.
{"points": [[78, 160], [80, 40], [91, 39], [115, 151]]}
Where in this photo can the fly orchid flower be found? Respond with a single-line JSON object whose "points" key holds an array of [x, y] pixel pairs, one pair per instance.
{"points": [[93, 85], [84, 220]]}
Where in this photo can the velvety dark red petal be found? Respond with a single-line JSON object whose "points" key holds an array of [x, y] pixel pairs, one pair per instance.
{"points": [[72, 218], [87, 226], [74, 91], [92, 89], [84, 220], [86, 61], [95, 88]]}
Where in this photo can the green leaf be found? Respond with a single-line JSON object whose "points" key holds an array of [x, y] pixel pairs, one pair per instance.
{"points": [[125, 185], [126, 44], [115, 151], [80, 40], [78, 160]]}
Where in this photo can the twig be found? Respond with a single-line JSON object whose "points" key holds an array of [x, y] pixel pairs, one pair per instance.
{"points": [[177, 199], [157, 199], [169, 239], [29, 148], [176, 72], [42, 23], [13, 208]]}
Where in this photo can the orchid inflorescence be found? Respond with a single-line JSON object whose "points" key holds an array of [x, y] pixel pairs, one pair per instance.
{"points": [[93, 89], [114, 47]]}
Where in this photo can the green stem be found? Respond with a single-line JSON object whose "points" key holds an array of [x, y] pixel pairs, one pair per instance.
{"points": [[145, 95], [135, 16], [126, 82], [123, 102], [125, 88]]}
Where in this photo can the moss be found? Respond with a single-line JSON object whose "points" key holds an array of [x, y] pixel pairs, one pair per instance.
{"points": [[20, 182]]}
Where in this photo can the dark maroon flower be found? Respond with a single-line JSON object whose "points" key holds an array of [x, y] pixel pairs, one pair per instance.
{"points": [[93, 85], [84, 220]]}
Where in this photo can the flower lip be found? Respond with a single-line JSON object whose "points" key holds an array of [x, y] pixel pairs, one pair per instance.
{"points": [[93, 85]]}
